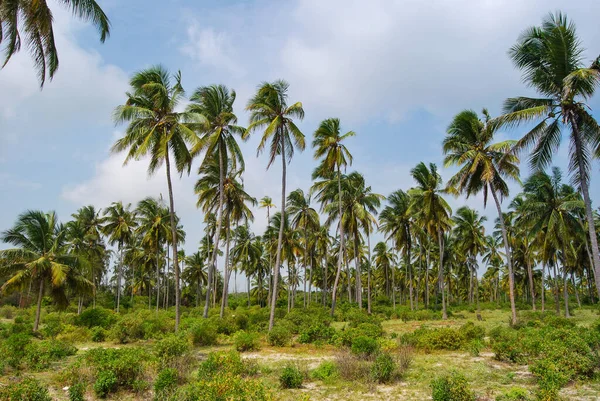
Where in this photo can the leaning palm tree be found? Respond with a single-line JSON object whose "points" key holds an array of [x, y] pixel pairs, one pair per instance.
{"points": [[156, 129], [269, 110], [218, 128], [304, 218], [328, 146], [432, 212], [119, 225], [40, 258], [551, 58], [36, 18], [484, 167]]}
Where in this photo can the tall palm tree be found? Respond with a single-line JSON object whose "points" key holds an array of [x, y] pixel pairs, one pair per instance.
{"points": [[551, 58], [195, 272], [397, 223], [156, 129], [384, 260], [328, 146], [304, 218], [471, 241], [218, 128], [484, 167], [267, 203], [269, 109], [36, 18], [432, 212], [119, 225], [41, 257]]}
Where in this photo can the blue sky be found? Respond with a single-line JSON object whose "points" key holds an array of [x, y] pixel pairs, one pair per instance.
{"points": [[393, 71]]}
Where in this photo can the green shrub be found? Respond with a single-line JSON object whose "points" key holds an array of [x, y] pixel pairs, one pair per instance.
{"points": [[506, 345], [444, 338], [220, 362], [105, 383], [74, 334], [39, 354], [171, 347], [514, 394], [77, 392], [317, 333], [291, 377], [325, 371], [203, 333], [383, 368], [13, 348], [141, 325], [224, 387], [53, 325], [357, 317], [98, 334], [475, 347], [246, 341], [27, 389], [165, 384], [451, 387], [368, 330], [364, 346], [99, 316], [471, 331], [279, 336], [8, 311]]}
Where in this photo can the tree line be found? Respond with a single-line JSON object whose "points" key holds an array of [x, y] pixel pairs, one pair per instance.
{"points": [[545, 240]]}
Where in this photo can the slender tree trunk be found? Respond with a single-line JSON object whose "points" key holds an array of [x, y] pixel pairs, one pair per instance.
{"points": [[213, 263], [324, 279], [279, 239], [358, 275], [410, 276], [305, 262], [227, 272], [38, 310], [566, 292], [393, 287], [310, 275], [511, 277], [198, 292], [576, 290], [341, 254], [591, 270], [427, 261], [175, 240], [369, 274], [157, 274], [119, 273], [543, 289], [132, 282], [441, 274], [470, 284], [556, 291], [531, 285], [348, 276], [168, 269], [581, 163]]}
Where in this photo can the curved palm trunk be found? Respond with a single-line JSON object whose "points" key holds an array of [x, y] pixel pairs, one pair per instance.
{"points": [[279, 239], [174, 235], [227, 273], [586, 199], [38, 309], [213, 263], [441, 274], [511, 277], [341, 254]]}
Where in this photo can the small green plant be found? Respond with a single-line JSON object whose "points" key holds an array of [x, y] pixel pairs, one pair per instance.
{"points": [[475, 346], [291, 377], [452, 386], [77, 392], [246, 341], [279, 336], [28, 389], [98, 334], [221, 362], [326, 371], [364, 346], [165, 384], [105, 383], [203, 333], [514, 394], [383, 368], [171, 347]]}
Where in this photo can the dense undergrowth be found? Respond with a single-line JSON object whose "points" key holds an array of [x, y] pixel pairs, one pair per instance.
{"points": [[100, 354]]}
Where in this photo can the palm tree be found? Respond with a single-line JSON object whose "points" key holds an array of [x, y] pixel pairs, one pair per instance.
{"points": [[470, 239], [397, 223], [304, 218], [432, 212], [218, 128], [484, 167], [328, 145], [384, 260], [119, 226], [267, 203], [551, 58], [195, 272], [37, 20], [269, 110], [41, 257], [156, 129]]}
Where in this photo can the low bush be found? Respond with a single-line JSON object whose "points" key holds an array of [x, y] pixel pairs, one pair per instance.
{"points": [[27, 389], [165, 384], [224, 387], [222, 362], [39, 354], [13, 348], [452, 386], [383, 368], [74, 334], [291, 377], [514, 394], [170, 348], [326, 371], [77, 392], [352, 368], [98, 334], [141, 325], [317, 333], [105, 383], [444, 338], [96, 317], [246, 341], [203, 333], [364, 346], [279, 336]]}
